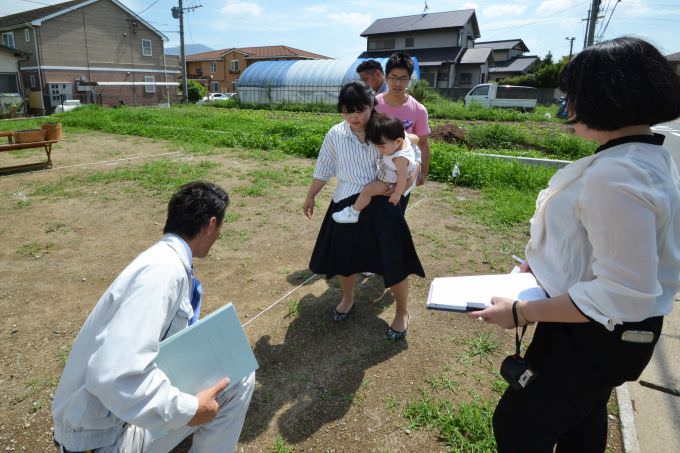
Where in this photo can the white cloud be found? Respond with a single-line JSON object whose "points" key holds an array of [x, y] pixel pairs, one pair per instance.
{"points": [[552, 6], [351, 18], [469, 5], [503, 10], [317, 9], [241, 8]]}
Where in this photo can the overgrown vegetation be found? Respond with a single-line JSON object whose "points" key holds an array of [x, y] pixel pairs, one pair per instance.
{"points": [[464, 427]]}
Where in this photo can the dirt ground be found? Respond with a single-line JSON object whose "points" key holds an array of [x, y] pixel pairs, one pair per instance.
{"points": [[320, 387]]}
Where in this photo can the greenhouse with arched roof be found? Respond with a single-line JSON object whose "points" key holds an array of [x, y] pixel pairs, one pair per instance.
{"points": [[300, 81]]}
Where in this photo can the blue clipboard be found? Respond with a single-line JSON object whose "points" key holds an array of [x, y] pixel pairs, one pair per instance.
{"points": [[200, 355]]}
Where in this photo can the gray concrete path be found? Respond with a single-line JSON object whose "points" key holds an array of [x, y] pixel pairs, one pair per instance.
{"points": [[655, 411]]}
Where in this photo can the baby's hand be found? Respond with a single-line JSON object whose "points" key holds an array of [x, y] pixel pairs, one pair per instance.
{"points": [[394, 199]]}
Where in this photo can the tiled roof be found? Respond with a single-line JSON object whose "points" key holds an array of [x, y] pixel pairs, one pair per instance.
{"points": [[673, 57], [259, 52], [433, 21], [476, 56], [519, 65], [503, 45], [33, 14], [426, 57]]}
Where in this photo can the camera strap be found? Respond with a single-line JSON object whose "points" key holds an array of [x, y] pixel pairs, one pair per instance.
{"points": [[518, 338]]}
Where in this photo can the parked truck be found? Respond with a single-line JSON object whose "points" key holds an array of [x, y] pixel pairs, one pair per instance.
{"points": [[505, 96]]}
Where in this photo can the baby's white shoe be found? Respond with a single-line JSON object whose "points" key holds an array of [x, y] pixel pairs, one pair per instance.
{"points": [[347, 215]]}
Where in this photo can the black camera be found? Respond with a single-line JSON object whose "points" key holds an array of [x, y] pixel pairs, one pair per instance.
{"points": [[515, 370]]}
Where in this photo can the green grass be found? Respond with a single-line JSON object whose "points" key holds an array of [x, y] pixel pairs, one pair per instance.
{"points": [[280, 446], [161, 178], [482, 346], [35, 249], [463, 427]]}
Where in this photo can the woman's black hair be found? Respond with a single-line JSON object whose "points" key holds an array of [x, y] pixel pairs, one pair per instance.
{"points": [[399, 60], [381, 127], [192, 206], [355, 96], [618, 83]]}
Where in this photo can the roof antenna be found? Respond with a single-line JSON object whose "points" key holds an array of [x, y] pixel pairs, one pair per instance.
{"points": [[425, 8]]}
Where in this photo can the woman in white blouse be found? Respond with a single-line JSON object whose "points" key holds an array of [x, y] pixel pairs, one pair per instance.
{"points": [[380, 242], [605, 245]]}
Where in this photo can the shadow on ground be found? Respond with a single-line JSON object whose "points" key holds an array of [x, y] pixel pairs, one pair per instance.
{"points": [[314, 375]]}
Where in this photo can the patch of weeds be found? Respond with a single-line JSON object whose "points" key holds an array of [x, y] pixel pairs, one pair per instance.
{"points": [[391, 402], [293, 308], [37, 406], [280, 446], [53, 227], [35, 249], [328, 394], [231, 217], [481, 346], [443, 382], [463, 427], [235, 235], [62, 355], [499, 386], [365, 383], [23, 204]]}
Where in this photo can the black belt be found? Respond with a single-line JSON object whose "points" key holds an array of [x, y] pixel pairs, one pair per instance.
{"points": [[63, 449]]}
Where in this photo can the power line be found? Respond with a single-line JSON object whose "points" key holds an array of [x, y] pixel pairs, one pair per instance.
{"points": [[37, 2], [145, 9], [599, 38], [547, 18]]}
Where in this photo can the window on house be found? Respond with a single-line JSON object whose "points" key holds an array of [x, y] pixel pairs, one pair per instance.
{"points": [[146, 48], [214, 87], [465, 78], [381, 44], [32, 80], [234, 65], [409, 42], [150, 82], [199, 71], [27, 35], [8, 39], [213, 67], [9, 83]]}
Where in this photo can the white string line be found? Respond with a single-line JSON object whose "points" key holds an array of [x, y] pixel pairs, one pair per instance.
{"points": [[139, 156], [312, 277]]}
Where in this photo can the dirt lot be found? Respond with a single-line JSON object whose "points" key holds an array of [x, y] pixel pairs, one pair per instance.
{"points": [[67, 232]]}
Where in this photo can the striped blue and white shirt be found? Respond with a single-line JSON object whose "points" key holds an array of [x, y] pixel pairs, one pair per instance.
{"points": [[344, 156]]}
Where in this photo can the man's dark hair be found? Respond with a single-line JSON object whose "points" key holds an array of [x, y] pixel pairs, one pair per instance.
{"points": [[383, 127], [355, 96], [192, 206], [399, 60], [622, 82], [369, 66]]}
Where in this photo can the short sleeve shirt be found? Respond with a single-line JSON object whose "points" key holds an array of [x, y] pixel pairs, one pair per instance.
{"points": [[412, 114]]}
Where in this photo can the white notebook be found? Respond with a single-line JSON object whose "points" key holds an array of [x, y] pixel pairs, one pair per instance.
{"points": [[475, 292], [200, 355]]}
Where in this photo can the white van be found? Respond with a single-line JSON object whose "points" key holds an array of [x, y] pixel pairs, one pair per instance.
{"points": [[506, 96]]}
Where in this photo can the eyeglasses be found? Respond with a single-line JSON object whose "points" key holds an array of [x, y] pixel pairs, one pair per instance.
{"points": [[394, 79]]}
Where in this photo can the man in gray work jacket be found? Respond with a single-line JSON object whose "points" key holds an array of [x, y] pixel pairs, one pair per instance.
{"points": [[112, 397]]}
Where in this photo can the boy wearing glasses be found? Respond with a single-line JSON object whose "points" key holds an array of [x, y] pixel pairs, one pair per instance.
{"points": [[398, 103]]}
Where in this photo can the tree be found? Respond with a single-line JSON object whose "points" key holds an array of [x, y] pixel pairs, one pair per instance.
{"points": [[195, 91]]}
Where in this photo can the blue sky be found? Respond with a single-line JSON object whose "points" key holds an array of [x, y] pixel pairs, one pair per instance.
{"points": [[332, 28]]}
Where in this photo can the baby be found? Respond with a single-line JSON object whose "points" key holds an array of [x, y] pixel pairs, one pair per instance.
{"points": [[396, 166]]}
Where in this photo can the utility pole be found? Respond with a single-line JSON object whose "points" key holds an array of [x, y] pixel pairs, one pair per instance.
{"points": [[178, 13], [571, 46], [592, 22]]}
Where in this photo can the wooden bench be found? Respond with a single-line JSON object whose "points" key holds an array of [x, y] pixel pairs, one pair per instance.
{"points": [[12, 146]]}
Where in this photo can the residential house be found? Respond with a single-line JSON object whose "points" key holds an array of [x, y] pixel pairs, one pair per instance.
{"points": [[474, 66], [92, 50], [674, 60], [509, 58], [438, 40], [11, 90], [219, 70]]}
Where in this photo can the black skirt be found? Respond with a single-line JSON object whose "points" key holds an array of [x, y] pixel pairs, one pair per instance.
{"points": [[380, 243]]}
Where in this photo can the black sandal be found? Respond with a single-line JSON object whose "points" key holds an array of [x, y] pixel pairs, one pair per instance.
{"points": [[340, 317], [395, 335]]}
